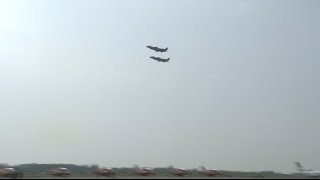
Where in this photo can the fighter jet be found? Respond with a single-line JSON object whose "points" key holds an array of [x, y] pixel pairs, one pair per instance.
{"points": [[178, 171], [60, 172], [104, 172], [158, 49], [209, 172], [143, 171], [10, 173], [160, 59]]}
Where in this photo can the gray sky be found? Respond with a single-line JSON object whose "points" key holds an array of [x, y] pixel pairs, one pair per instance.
{"points": [[241, 92]]}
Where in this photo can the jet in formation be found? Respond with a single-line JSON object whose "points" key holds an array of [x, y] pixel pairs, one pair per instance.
{"points": [[178, 171], [143, 171], [209, 172], [60, 172], [106, 172], [159, 59], [158, 49], [10, 173]]}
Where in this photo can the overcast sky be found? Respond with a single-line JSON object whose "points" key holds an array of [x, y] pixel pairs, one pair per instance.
{"points": [[241, 91]]}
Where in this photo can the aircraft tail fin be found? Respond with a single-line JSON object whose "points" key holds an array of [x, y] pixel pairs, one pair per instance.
{"points": [[299, 166]]}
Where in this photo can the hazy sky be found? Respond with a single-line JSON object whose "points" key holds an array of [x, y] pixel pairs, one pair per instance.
{"points": [[241, 92]]}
